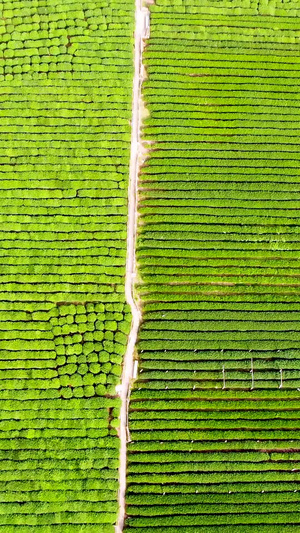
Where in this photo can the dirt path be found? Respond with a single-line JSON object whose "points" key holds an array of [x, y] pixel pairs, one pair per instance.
{"points": [[141, 17]]}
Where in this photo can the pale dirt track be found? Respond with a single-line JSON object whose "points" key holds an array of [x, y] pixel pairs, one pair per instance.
{"points": [[130, 260]]}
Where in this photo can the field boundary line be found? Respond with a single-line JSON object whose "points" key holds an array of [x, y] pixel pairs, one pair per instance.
{"points": [[141, 32]]}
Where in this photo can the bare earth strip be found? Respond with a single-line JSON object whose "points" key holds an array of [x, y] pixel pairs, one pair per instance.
{"points": [[141, 28]]}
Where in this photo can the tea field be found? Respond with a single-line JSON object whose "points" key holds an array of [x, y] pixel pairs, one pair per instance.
{"points": [[214, 414], [65, 89]]}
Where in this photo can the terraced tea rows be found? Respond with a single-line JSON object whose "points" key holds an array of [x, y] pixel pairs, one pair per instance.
{"points": [[66, 79], [214, 416]]}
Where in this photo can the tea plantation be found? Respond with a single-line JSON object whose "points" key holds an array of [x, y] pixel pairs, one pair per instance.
{"points": [[66, 80], [214, 414]]}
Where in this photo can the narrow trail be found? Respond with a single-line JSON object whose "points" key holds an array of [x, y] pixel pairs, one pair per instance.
{"points": [[141, 32]]}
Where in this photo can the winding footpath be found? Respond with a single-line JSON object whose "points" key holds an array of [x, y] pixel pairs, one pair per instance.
{"points": [[141, 32]]}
